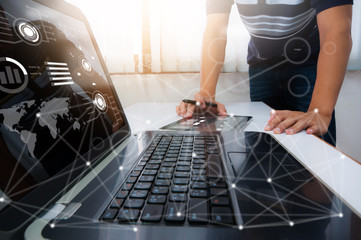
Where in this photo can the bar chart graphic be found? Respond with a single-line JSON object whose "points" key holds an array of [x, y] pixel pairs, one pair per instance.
{"points": [[59, 73], [13, 76]]}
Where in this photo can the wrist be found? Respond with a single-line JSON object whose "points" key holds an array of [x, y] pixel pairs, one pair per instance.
{"points": [[321, 110], [208, 95]]}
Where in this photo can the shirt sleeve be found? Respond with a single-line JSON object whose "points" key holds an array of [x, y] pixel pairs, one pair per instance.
{"points": [[321, 5], [219, 6]]}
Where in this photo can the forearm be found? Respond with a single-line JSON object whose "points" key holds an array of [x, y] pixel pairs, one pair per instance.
{"points": [[213, 54], [336, 46]]}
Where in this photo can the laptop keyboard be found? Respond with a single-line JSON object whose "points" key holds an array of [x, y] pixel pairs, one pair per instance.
{"points": [[179, 180]]}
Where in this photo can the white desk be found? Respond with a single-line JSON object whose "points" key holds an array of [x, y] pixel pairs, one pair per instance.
{"points": [[340, 173]]}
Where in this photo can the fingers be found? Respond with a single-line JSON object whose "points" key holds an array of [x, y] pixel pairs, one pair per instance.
{"points": [[221, 109], [276, 118], [183, 109], [293, 122], [312, 130], [190, 110]]}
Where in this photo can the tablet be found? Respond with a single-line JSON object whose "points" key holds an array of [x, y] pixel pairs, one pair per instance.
{"points": [[208, 122]]}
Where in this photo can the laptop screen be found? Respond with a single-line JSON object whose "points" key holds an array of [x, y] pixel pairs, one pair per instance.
{"points": [[56, 101]]}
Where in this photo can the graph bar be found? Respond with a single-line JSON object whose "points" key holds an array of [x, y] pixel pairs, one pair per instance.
{"points": [[57, 68], [60, 78], [59, 73], [56, 63], [3, 78], [9, 72], [17, 76], [62, 83]]}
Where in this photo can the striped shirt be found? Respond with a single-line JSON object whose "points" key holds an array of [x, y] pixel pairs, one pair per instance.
{"points": [[279, 29]]}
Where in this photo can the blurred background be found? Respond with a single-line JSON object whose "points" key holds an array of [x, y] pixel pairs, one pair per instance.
{"points": [[152, 51]]}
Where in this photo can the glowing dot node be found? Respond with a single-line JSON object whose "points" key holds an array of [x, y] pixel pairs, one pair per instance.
{"points": [[194, 155], [291, 223], [2, 199], [269, 180], [135, 229], [52, 225], [79, 74], [38, 115], [315, 110], [121, 168], [273, 111], [340, 215], [233, 185], [179, 214], [343, 156], [240, 227], [232, 114], [87, 163], [198, 103]]}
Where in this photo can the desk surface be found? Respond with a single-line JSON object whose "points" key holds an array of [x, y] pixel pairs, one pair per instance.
{"points": [[336, 170]]}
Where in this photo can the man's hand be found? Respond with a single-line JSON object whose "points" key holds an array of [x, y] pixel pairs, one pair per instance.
{"points": [[186, 110], [293, 122]]}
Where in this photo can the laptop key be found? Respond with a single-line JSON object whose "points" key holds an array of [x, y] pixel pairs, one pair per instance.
{"points": [[162, 182], [135, 173], [181, 181], [175, 213], [152, 213], [143, 185], [134, 203], [160, 190], [198, 211], [146, 179], [199, 193], [138, 168], [222, 215], [109, 214], [131, 179], [150, 172], [123, 194], [152, 166], [178, 197], [165, 175], [183, 168], [155, 162], [199, 185], [139, 194], [127, 186], [116, 203], [220, 201], [182, 174], [217, 184], [200, 178], [166, 169], [161, 199], [180, 188], [128, 215]]}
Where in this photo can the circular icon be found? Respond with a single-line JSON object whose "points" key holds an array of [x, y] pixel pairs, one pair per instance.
{"points": [[299, 77], [86, 65], [28, 32], [294, 50], [100, 102], [13, 76]]}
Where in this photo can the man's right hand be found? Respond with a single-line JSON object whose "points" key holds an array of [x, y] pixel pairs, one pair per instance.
{"points": [[186, 110]]}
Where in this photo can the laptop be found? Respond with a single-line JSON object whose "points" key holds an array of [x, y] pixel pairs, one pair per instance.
{"points": [[72, 169]]}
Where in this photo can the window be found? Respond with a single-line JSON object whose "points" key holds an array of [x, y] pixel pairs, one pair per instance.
{"points": [[165, 35]]}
